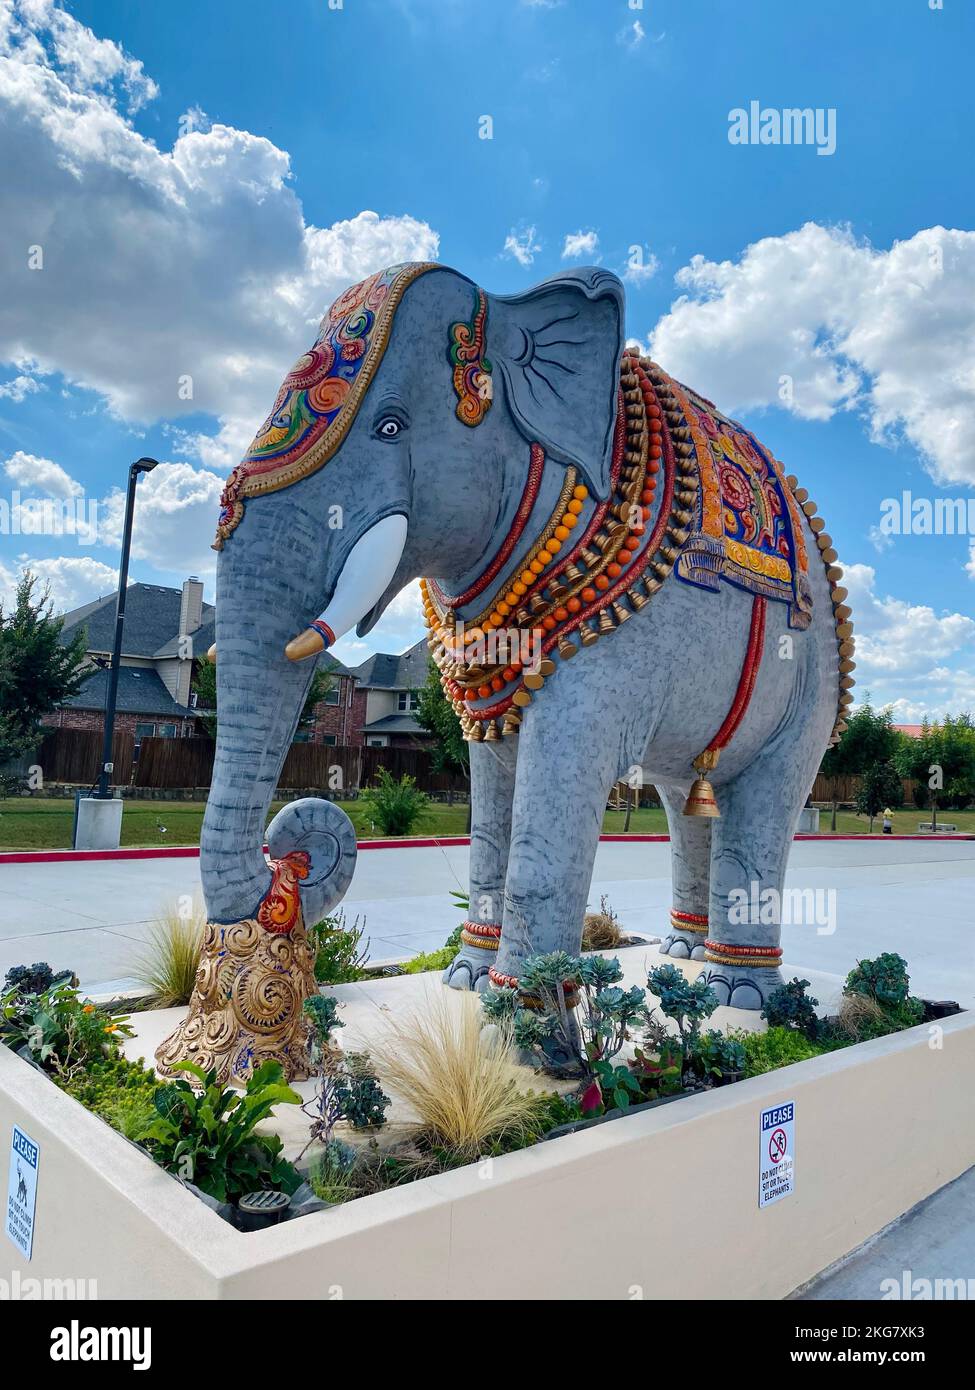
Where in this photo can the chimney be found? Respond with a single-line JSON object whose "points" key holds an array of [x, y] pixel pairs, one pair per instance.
{"points": [[191, 606]]}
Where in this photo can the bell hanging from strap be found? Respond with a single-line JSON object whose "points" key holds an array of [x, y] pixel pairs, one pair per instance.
{"points": [[701, 800]]}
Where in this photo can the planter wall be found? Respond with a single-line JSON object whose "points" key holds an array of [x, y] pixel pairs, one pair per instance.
{"points": [[662, 1204]]}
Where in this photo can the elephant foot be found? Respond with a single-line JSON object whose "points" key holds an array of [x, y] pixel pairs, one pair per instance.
{"points": [[742, 988], [682, 947], [469, 970]]}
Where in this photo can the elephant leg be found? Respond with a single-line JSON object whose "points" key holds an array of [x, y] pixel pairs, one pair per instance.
{"points": [[564, 777], [749, 855], [492, 789], [690, 868]]}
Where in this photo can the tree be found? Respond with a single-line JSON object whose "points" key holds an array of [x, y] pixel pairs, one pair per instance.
{"points": [[37, 671], [880, 787], [205, 685], [867, 740], [435, 713], [942, 759]]}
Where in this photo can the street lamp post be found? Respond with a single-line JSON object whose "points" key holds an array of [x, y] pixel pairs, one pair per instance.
{"points": [[143, 465]]}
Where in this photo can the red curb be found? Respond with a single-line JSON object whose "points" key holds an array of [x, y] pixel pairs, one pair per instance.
{"points": [[76, 856]]}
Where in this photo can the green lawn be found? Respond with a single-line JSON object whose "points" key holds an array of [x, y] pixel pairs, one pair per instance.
{"points": [[45, 823]]}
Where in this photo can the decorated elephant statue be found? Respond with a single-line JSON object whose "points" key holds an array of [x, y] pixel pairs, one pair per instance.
{"points": [[618, 581]]}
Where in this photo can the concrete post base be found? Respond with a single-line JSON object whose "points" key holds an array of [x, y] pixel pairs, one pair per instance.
{"points": [[98, 824]]}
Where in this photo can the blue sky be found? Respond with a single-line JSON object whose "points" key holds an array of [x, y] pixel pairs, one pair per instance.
{"points": [[203, 178]]}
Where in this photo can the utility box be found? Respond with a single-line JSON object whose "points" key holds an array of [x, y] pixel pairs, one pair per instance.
{"points": [[97, 822]]}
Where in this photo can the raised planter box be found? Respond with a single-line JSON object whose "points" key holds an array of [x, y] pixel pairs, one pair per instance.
{"points": [[670, 1192]]}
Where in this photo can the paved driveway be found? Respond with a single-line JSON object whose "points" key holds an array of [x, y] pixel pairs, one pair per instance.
{"points": [[911, 896]]}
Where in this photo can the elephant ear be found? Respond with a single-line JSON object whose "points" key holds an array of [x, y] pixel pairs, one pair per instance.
{"points": [[558, 350]]}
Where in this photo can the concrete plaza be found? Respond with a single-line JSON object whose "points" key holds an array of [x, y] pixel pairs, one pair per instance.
{"points": [[911, 896]]}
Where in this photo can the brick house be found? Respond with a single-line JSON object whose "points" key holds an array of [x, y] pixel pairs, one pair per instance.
{"points": [[165, 631], [386, 689]]}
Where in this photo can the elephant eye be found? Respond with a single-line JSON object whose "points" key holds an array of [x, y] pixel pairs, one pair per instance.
{"points": [[389, 428]]}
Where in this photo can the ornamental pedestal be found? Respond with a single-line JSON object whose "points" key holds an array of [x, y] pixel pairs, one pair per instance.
{"points": [[251, 983]]}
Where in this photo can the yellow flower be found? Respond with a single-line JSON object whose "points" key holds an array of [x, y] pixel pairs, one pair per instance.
{"points": [[110, 1027]]}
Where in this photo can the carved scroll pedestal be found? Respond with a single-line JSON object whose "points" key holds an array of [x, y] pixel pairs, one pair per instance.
{"points": [[252, 981]]}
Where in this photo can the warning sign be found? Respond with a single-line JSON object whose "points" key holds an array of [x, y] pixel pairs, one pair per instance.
{"points": [[777, 1153], [22, 1191]]}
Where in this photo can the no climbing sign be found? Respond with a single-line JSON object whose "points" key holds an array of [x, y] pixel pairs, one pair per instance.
{"points": [[777, 1153]]}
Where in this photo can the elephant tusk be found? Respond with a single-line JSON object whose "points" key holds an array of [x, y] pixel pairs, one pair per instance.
{"points": [[309, 643], [365, 577]]}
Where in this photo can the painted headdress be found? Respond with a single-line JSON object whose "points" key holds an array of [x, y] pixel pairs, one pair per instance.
{"points": [[321, 394]]}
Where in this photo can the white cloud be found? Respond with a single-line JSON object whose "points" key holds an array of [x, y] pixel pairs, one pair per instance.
{"points": [[87, 61], [198, 257], [632, 35], [902, 651], [580, 244], [175, 519], [19, 387], [72, 580], [41, 475], [819, 322], [522, 245]]}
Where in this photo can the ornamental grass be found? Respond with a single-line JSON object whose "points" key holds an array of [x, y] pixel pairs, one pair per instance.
{"points": [[168, 963], [462, 1083]]}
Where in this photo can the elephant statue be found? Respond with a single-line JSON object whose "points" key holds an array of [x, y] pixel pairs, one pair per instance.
{"points": [[618, 582]]}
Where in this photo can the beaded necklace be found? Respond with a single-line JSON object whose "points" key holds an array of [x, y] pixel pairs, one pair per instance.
{"points": [[625, 551]]}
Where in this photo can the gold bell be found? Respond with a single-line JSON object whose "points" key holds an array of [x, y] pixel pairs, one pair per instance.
{"points": [[701, 800]]}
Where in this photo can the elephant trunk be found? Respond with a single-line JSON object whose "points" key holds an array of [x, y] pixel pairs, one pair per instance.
{"points": [[261, 584]]}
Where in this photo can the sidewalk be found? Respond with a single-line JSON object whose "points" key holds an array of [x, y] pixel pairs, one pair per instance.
{"points": [[933, 1241], [910, 896]]}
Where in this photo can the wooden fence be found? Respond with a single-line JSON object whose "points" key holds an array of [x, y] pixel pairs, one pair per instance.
{"points": [[188, 762], [75, 755], [844, 789]]}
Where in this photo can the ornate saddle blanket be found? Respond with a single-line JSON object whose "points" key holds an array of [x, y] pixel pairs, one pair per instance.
{"points": [[747, 528]]}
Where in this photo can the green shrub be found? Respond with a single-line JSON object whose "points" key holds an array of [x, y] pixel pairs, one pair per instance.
{"points": [[339, 950], [117, 1090], [790, 1006], [37, 978], [332, 1173], [715, 1054], [593, 1032], [687, 1003], [884, 979], [395, 806], [886, 982], [207, 1137], [777, 1047], [62, 1031], [361, 1099]]}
